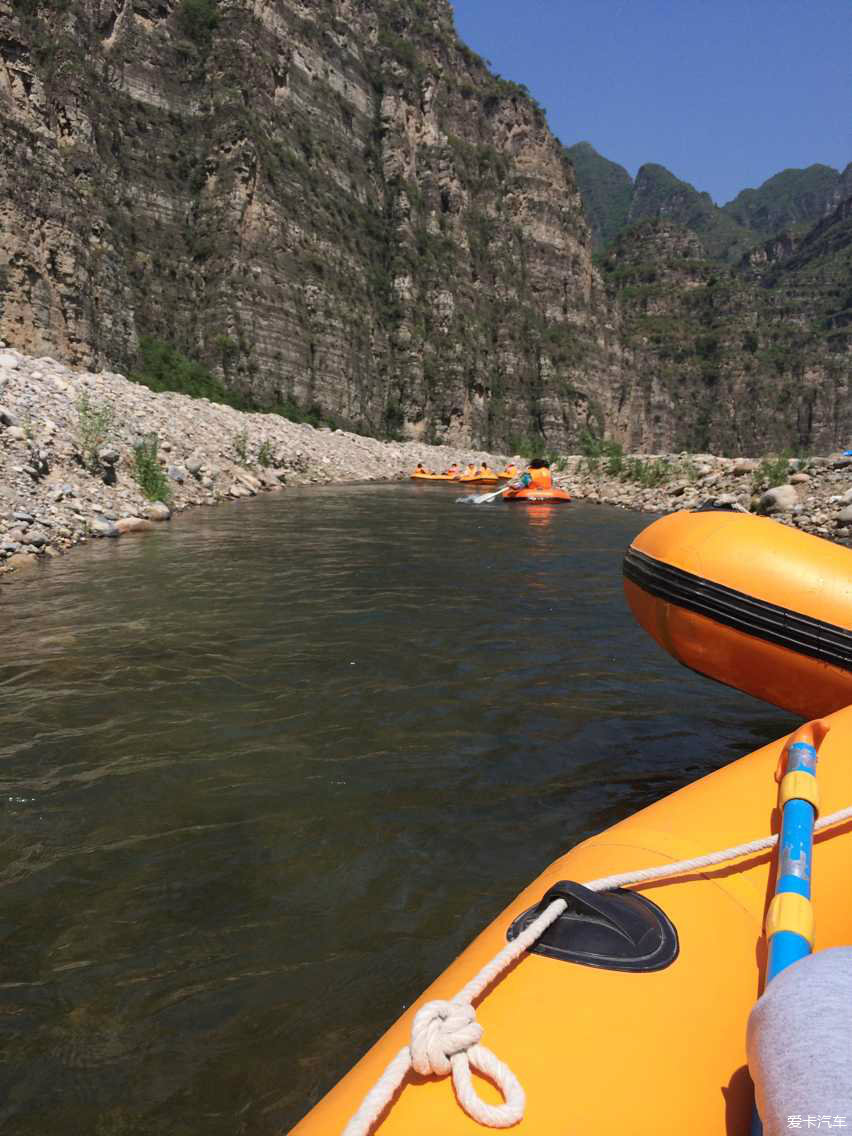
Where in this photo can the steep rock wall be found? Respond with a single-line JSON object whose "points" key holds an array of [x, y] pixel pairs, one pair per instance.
{"points": [[333, 203], [738, 360]]}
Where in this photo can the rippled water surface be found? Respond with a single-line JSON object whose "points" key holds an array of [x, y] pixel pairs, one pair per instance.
{"points": [[265, 771]]}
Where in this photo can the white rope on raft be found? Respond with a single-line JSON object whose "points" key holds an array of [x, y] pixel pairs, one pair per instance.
{"points": [[445, 1035]]}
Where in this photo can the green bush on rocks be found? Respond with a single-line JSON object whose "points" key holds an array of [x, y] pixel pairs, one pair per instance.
{"points": [[772, 471], [595, 449], [147, 470], [648, 474], [197, 18], [240, 444], [164, 368], [95, 420]]}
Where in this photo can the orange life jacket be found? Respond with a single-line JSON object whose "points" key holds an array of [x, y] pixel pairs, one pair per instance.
{"points": [[541, 478]]}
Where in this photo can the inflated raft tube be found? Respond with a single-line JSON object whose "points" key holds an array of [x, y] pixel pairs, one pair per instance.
{"points": [[532, 496], [434, 477], [653, 1044], [747, 601]]}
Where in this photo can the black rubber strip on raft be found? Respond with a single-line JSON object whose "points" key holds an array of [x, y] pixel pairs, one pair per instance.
{"points": [[801, 633]]}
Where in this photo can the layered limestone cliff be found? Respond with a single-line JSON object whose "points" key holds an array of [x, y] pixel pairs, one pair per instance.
{"points": [[332, 203], [738, 360], [336, 207]]}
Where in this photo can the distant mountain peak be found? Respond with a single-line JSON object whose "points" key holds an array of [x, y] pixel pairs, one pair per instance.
{"points": [[790, 199]]}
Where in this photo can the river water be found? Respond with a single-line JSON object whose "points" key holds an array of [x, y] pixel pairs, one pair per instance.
{"points": [[265, 771]]}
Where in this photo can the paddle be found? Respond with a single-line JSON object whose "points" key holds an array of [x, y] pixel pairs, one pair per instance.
{"points": [[789, 919], [787, 923], [483, 497]]}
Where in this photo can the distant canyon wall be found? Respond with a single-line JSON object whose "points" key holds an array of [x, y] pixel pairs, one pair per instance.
{"points": [[335, 204]]}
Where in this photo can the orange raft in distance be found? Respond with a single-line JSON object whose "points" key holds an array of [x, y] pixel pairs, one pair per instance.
{"points": [[480, 477], [749, 602], [533, 496]]}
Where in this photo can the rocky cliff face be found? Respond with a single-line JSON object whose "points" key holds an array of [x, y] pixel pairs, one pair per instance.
{"points": [[334, 205], [330, 202], [743, 359]]}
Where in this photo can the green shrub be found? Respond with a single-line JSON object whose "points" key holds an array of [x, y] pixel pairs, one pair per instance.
{"points": [[291, 410], [614, 459], [687, 469], [773, 470], [596, 449], [147, 470], [229, 350], [95, 420], [264, 455], [196, 19], [646, 473], [532, 447], [240, 444], [164, 368]]}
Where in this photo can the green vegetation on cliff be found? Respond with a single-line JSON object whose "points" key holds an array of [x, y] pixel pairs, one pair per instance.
{"points": [[732, 348], [338, 212], [162, 367], [792, 198], [607, 190], [657, 193]]}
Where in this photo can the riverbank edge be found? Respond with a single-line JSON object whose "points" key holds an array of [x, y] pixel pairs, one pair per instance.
{"points": [[68, 465], [813, 494]]}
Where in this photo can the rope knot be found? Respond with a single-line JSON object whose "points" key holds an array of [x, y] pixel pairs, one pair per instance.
{"points": [[440, 1030]]}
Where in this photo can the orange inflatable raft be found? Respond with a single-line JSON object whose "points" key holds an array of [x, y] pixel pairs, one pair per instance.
{"points": [[535, 496], [747, 601], [652, 1043], [488, 478]]}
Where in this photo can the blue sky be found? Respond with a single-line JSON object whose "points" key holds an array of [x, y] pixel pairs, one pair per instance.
{"points": [[724, 93]]}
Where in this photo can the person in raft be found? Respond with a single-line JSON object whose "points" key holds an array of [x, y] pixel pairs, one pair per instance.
{"points": [[799, 1044], [420, 468], [538, 476], [453, 471]]}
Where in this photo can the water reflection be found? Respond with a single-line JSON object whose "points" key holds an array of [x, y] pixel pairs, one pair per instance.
{"points": [[243, 759]]}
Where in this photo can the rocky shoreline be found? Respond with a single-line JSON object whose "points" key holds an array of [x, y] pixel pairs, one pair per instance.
{"points": [[813, 493], [68, 457], [70, 446]]}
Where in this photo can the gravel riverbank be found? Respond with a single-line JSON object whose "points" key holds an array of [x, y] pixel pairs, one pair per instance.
{"points": [[68, 471], [68, 476], [813, 494]]}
